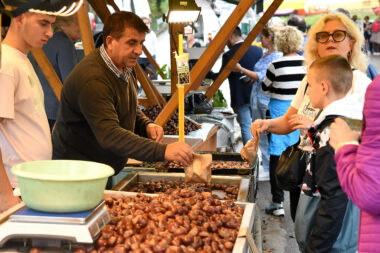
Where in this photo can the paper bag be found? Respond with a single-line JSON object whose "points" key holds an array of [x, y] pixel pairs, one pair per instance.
{"points": [[200, 170], [249, 151]]}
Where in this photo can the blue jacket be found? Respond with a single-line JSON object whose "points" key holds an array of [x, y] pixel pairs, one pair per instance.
{"points": [[62, 55], [240, 92]]}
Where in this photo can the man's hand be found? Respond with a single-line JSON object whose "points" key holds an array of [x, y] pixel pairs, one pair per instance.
{"points": [[260, 125], [341, 132], [179, 152], [155, 132], [298, 121]]}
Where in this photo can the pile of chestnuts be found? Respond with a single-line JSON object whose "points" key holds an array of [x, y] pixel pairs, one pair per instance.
{"points": [[230, 191], [180, 222], [171, 127]]}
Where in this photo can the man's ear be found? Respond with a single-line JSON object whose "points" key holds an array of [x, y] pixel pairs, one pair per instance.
{"points": [[108, 42]]}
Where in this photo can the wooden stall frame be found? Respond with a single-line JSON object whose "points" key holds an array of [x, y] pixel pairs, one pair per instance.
{"points": [[154, 97], [207, 59], [242, 49]]}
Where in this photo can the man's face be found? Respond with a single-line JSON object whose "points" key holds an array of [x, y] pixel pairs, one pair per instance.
{"points": [[36, 28], [314, 90], [125, 51]]}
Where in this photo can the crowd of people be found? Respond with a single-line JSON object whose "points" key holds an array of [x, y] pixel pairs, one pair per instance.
{"points": [[324, 207], [302, 88]]}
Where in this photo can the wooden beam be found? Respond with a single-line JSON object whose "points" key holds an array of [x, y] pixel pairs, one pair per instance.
{"points": [[100, 7], [146, 86], [207, 59], [48, 70], [85, 29], [242, 49], [114, 6], [102, 11], [152, 61], [174, 31]]}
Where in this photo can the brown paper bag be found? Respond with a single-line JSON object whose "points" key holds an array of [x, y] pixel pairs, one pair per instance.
{"points": [[200, 170], [249, 151]]}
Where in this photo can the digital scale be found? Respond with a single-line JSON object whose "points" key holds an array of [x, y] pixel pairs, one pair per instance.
{"points": [[80, 227]]}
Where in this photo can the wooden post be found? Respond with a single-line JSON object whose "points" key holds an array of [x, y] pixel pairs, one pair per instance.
{"points": [[242, 49], [102, 11], [48, 70], [100, 8], [174, 30], [85, 29], [207, 59], [152, 61], [147, 86]]}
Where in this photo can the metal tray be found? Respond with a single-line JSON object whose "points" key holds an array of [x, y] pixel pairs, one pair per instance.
{"points": [[247, 222], [133, 179]]}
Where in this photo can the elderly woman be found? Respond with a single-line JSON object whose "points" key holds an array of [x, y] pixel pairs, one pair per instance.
{"points": [[332, 34], [259, 100], [358, 167], [283, 77]]}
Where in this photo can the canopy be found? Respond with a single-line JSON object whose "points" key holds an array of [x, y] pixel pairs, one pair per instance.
{"points": [[307, 7]]}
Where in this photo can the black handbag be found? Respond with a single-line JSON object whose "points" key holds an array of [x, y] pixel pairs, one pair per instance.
{"points": [[291, 168]]}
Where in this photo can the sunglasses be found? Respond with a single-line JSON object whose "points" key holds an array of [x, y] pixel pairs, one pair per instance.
{"points": [[337, 36]]}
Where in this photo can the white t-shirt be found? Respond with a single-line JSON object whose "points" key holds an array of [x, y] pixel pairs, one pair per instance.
{"points": [[151, 44], [24, 128], [301, 101]]}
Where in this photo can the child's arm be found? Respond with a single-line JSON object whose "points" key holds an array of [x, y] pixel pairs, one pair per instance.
{"points": [[329, 217]]}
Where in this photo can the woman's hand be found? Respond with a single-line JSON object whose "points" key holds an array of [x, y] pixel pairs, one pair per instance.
{"points": [[237, 68], [260, 125], [341, 133], [298, 121]]}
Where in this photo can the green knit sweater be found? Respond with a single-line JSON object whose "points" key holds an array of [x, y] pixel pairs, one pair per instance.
{"points": [[99, 119]]}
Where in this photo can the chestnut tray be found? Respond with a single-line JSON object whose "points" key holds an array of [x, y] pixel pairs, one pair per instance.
{"points": [[247, 222], [133, 179]]}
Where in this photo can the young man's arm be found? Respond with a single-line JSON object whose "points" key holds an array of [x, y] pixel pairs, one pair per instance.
{"points": [[7, 199], [330, 215]]}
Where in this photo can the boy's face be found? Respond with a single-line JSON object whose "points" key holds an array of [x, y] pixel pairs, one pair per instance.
{"points": [[315, 90], [36, 28]]}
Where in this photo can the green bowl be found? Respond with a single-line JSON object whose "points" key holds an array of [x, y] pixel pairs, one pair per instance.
{"points": [[62, 186]]}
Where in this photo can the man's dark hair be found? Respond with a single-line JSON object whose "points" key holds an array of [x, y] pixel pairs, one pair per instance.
{"points": [[297, 21], [116, 23], [237, 32]]}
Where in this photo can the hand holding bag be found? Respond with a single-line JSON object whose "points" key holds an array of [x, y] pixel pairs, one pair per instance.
{"points": [[291, 168]]}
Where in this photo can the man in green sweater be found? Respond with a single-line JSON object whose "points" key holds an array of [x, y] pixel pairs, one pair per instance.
{"points": [[99, 119]]}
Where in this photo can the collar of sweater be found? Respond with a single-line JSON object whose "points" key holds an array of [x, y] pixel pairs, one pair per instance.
{"points": [[126, 71]]}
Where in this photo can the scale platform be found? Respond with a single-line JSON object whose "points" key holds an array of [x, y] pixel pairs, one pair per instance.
{"points": [[80, 227]]}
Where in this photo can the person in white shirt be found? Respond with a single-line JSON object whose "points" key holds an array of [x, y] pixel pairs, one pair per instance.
{"points": [[24, 129], [151, 45]]}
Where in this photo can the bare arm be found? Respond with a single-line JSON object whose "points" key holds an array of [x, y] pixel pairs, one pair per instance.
{"points": [[251, 74], [7, 199], [278, 125]]}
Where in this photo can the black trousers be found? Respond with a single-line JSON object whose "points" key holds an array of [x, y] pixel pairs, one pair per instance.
{"points": [[294, 197], [277, 193]]}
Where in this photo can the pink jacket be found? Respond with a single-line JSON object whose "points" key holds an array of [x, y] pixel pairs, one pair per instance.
{"points": [[358, 169]]}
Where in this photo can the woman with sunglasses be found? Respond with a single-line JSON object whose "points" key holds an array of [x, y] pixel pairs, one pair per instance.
{"points": [[333, 34]]}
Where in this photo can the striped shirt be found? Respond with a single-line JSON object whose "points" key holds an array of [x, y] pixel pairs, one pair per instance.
{"points": [[283, 77], [126, 71]]}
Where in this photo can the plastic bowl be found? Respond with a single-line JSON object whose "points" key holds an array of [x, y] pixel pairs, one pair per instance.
{"points": [[62, 186]]}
